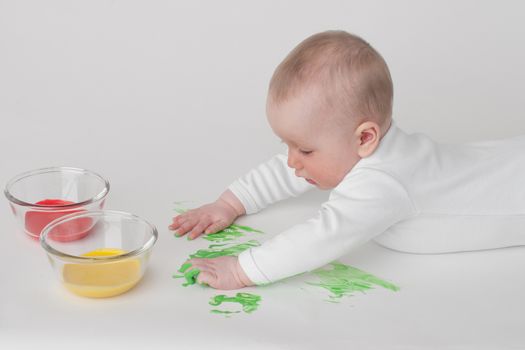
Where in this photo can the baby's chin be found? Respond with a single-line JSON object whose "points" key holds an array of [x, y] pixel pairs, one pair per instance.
{"points": [[325, 188], [321, 186]]}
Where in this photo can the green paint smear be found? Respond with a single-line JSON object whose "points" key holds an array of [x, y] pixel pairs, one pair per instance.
{"points": [[190, 276], [233, 250], [179, 209], [230, 233], [244, 228], [223, 236], [343, 280], [224, 312], [217, 245], [248, 301], [212, 252], [184, 267]]}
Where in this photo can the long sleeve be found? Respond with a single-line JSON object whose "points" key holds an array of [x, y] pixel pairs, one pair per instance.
{"points": [[361, 207], [268, 183]]}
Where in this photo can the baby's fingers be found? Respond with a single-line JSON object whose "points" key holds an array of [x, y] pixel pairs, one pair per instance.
{"points": [[216, 227], [185, 227], [177, 221], [175, 224], [207, 277], [206, 273], [199, 229]]}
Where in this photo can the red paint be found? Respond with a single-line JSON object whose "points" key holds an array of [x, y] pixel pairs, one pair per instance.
{"points": [[72, 230]]}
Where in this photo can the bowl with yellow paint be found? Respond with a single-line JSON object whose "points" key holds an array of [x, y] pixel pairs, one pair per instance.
{"points": [[110, 260]]}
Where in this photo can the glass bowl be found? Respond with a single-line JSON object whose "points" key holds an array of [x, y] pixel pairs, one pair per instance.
{"points": [[110, 260], [40, 196]]}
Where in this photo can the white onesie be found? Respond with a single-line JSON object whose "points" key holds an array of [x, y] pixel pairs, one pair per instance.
{"points": [[412, 194]]}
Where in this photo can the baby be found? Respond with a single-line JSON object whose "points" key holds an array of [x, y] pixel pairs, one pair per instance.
{"points": [[330, 101]]}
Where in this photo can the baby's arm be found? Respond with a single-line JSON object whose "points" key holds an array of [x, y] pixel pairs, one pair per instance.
{"points": [[266, 184], [363, 206]]}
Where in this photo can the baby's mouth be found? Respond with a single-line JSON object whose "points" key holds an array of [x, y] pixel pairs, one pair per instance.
{"points": [[310, 181]]}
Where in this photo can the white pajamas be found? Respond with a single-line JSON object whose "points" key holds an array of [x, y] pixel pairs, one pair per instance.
{"points": [[412, 194]]}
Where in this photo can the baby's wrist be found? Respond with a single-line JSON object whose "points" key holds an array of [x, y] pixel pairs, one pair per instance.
{"points": [[229, 199], [242, 277]]}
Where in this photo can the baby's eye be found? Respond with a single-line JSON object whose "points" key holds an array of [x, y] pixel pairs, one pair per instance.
{"points": [[305, 152]]}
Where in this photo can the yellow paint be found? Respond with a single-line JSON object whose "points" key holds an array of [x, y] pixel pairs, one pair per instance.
{"points": [[103, 279]]}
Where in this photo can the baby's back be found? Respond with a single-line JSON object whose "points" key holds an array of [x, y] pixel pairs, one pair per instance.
{"points": [[475, 188]]}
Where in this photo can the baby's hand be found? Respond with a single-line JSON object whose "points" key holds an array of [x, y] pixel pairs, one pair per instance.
{"points": [[209, 218], [223, 272]]}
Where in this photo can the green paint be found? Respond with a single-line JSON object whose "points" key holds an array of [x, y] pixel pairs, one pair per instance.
{"points": [[184, 267], [212, 252], [227, 251], [343, 280], [217, 245], [223, 235], [230, 233], [190, 276], [244, 228], [249, 302], [180, 210], [224, 312]]}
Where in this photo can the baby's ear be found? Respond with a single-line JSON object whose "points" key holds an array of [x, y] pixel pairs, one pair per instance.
{"points": [[368, 135]]}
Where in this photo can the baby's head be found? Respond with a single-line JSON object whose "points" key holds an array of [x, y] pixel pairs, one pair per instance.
{"points": [[330, 101]]}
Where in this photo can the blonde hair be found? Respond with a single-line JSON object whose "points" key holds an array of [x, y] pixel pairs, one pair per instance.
{"points": [[351, 74]]}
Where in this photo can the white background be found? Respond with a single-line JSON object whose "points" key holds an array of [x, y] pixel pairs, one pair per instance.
{"points": [[166, 100]]}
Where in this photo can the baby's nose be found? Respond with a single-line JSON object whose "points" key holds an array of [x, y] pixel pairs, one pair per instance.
{"points": [[293, 162]]}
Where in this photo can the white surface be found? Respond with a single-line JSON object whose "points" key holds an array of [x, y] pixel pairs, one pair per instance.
{"points": [[166, 100]]}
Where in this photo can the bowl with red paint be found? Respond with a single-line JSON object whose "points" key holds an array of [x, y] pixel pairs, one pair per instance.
{"points": [[40, 196]]}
